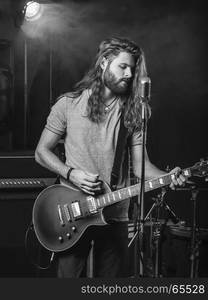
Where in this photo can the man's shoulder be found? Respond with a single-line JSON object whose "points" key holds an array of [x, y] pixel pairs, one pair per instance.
{"points": [[74, 98]]}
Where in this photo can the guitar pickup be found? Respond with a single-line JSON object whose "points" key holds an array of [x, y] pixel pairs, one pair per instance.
{"points": [[67, 212], [76, 209], [91, 204]]}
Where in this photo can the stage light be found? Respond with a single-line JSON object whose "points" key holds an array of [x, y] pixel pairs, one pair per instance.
{"points": [[32, 11]]}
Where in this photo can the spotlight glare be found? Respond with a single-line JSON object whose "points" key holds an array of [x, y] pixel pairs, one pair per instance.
{"points": [[33, 11]]}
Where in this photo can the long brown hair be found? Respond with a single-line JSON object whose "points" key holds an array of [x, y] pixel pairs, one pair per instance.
{"points": [[110, 48]]}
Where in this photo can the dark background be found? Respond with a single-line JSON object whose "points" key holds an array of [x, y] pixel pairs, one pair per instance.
{"points": [[173, 35]]}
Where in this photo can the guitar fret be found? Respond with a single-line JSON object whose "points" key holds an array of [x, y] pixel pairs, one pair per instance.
{"points": [[186, 172], [129, 190], [172, 176], [161, 181], [98, 202], [156, 183], [119, 194], [109, 198], [150, 184], [114, 199], [103, 199]]}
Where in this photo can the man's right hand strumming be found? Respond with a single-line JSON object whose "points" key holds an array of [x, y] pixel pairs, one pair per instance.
{"points": [[86, 181]]}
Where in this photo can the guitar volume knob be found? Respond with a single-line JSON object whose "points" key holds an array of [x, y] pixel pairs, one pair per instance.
{"points": [[61, 239], [68, 235], [74, 228]]}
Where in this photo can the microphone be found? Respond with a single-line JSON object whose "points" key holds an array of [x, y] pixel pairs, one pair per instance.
{"points": [[145, 88]]}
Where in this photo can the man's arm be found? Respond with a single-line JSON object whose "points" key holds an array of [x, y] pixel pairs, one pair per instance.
{"points": [[151, 171], [44, 155]]}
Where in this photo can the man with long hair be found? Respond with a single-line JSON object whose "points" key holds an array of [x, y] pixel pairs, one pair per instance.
{"points": [[90, 119]]}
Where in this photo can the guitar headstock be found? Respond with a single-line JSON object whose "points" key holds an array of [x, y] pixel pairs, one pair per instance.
{"points": [[200, 169]]}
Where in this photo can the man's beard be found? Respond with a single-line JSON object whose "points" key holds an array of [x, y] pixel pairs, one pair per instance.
{"points": [[118, 87]]}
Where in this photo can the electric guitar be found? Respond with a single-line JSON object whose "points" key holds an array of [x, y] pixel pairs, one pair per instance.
{"points": [[62, 213]]}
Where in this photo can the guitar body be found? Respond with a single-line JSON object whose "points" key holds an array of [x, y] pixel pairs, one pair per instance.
{"points": [[61, 216], [62, 212]]}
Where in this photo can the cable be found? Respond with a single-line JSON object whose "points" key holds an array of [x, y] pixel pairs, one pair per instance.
{"points": [[31, 229]]}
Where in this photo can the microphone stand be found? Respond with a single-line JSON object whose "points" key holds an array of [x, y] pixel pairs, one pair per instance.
{"points": [[140, 207], [194, 257], [158, 230]]}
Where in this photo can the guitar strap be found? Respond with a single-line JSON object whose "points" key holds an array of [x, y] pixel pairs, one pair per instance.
{"points": [[119, 153]]}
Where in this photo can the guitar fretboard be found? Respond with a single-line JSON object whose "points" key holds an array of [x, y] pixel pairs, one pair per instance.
{"points": [[131, 191]]}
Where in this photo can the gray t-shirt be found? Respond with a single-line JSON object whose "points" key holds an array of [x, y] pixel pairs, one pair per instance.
{"points": [[90, 146]]}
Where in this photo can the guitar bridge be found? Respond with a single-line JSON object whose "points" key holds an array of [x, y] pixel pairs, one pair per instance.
{"points": [[60, 216], [91, 204]]}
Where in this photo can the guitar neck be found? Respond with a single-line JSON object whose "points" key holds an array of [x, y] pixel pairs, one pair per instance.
{"points": [[131, 191]]}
